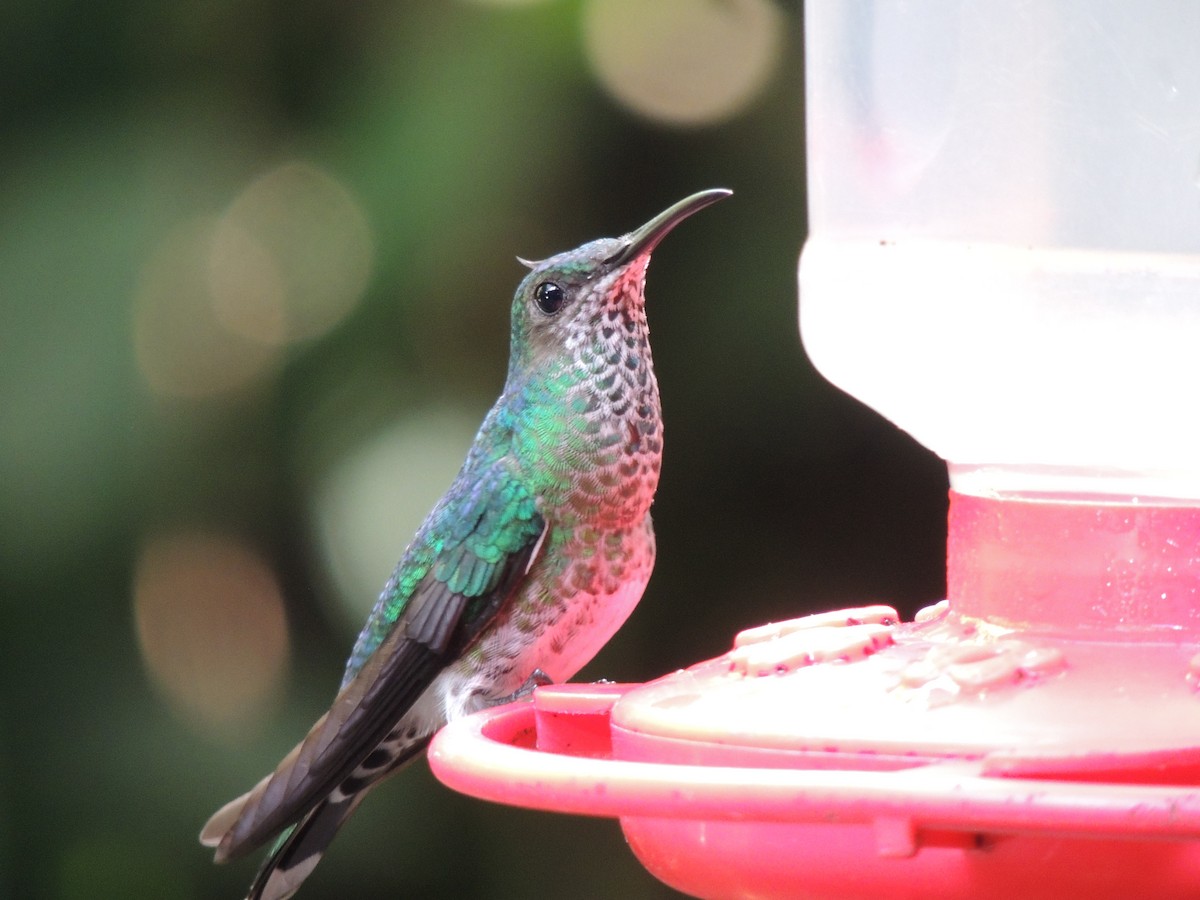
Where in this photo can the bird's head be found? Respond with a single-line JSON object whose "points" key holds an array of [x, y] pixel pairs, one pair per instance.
{"points": [[570, 298]]}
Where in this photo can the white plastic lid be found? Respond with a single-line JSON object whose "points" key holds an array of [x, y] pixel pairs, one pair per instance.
{"points": [[1004, 251]]}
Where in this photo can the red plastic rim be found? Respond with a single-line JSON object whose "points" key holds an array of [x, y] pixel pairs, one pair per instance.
{"points": [[492, 755]]}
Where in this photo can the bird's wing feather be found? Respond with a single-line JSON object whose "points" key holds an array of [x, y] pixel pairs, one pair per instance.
{"points": [[470, 571]]}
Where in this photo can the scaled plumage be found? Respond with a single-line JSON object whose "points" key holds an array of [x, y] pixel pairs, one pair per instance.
{"points": [[532, 559]]}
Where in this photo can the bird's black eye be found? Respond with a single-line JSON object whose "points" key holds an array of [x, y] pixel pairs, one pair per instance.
{"points": [[549, 297]]}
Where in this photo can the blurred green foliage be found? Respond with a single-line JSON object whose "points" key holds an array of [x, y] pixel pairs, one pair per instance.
{"points": [[469, 133]]}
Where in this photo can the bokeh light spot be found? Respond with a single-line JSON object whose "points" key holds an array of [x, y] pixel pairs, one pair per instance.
{"points": [[183, 349], [246, 286], [288, 259], [211, 626], [370, 503], [304, 244], [685, 62]]}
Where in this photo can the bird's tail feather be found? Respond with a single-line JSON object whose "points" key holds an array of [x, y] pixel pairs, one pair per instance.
{"points": [[299, 849]]}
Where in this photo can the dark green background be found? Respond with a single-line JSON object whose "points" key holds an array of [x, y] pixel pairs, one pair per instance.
{"points": [[469, 134]]}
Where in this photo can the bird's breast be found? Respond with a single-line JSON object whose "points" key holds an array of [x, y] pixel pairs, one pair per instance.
{"points": [[613, 452]]}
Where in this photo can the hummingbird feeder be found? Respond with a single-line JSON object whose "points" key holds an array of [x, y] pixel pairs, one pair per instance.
{"points": [[1004, 259]]}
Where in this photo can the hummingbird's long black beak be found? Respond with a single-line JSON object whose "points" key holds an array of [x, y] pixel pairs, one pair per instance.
{"points": [[643, 240]]}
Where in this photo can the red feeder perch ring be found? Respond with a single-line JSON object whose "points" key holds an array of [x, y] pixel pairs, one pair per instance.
{"points": [[1036, 736]]}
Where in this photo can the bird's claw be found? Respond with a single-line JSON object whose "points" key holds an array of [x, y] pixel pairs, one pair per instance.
{"points": [[537, 678]]}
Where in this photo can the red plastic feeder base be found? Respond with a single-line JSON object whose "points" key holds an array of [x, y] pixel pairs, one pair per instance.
{"points": [[992, 749]]}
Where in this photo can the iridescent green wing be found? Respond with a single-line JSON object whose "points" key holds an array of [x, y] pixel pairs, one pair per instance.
{"points": [[469, 543], [464, 565]]}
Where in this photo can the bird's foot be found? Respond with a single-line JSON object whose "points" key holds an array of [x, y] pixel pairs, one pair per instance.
{"points": [[537, 678]]}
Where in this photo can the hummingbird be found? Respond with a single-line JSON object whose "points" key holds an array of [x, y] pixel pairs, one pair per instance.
{"points": [[528, 564]]}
